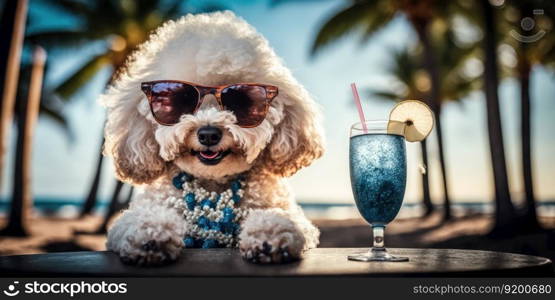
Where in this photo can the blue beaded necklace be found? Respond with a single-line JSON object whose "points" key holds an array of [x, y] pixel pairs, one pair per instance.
{"points": [[213, 217]]}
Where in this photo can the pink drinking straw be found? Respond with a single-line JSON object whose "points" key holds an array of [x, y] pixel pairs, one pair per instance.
{"points": [[359, 107]]}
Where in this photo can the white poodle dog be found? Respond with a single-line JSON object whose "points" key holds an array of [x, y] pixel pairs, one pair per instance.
{"points": [[209, 151]]}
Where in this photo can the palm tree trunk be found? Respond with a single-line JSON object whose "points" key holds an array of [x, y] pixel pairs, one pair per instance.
{"points": [[434, 102], [426, 199], [29, 110], [113, 207], [11, 79], [504, 209], [446, 199], [7, 21], [530, 218], [19, 205], [90, 201]]}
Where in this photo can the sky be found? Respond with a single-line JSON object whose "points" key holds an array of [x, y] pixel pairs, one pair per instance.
{"points": [[63, 167]]}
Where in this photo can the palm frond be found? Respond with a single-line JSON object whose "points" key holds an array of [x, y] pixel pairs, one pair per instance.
{"points": [[374, 23], [384, 95], [107, 18], [60, 38], [58, 117], [73, 7], [404, 66], [356, 16], [456, 86], [280, 2], [172, 10], [49, 106], [82, 76]]}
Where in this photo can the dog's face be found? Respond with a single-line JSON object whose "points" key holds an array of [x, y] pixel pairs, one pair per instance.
{"points": [[209, 144], [211, 50], [209, 149]]}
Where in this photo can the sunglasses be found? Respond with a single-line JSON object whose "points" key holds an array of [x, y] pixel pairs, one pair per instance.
{"points": [[170, 99]]}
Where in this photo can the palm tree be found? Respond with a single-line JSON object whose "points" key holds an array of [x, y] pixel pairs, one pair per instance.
{"points": [[407, 70], [90, 200], [122, 25], [28, 106], [7, 20], [505, 212], [14, 19], [27, 102], [369, 16], [529, 53], [115, 206]]}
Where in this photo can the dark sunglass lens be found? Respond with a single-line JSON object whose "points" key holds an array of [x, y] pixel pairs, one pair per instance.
{"points": [[247, 102], [170, 100]]}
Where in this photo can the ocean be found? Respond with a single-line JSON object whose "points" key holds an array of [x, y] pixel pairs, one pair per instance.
{"points": [[69, 208]]}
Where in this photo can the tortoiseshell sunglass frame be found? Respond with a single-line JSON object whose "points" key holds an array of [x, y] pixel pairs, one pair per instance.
{"points": [[203, 90]]}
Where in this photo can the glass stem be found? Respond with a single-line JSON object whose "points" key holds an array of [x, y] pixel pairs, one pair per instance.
{"points": [[378, 231]]}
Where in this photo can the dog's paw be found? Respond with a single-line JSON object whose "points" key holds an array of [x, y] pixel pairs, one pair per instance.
{"points": [[152, 253], [147, 237], [270, 237], [268, 254]]}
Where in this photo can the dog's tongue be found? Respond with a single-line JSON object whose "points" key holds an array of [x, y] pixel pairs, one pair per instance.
{"points": [[209, 154]]}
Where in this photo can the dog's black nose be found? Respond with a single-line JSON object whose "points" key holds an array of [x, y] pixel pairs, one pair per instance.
{"points": [[209, 136]]}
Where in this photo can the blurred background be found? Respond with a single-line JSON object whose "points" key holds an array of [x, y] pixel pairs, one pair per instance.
{"points": [[484, 179]]}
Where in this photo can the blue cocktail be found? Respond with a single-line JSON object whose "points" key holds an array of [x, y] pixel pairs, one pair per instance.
{"points": [[378, 178]]}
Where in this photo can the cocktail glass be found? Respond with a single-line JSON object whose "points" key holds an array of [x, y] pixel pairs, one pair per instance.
{"points": [[377, 161]]}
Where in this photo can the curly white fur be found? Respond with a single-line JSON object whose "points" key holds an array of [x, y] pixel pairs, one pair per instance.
{"points": [[209, 49]]}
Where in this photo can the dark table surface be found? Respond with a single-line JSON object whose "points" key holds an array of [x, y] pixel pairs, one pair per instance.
{"points": [[316, 262]]}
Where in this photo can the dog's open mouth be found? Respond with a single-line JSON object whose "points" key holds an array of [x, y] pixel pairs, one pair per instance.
{"points": [[210, 157]]}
